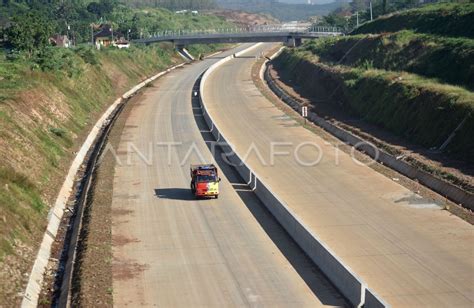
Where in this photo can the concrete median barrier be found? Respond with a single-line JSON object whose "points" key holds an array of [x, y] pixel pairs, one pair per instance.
{"points": [[372, 300], [349, 284]]}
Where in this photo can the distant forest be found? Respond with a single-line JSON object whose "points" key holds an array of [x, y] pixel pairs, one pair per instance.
{"points": [[28, 24], [169, 4], [173, 4], [279, 10]]}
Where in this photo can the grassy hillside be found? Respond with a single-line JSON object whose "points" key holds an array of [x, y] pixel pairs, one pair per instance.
{"points": [[448, 19], [450, 60], [413, 78], [418, 109], [44, 116]]}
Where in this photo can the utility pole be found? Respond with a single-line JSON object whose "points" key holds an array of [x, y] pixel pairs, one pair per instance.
{"points": [[357, 17], [371, 17], [67, 35]]}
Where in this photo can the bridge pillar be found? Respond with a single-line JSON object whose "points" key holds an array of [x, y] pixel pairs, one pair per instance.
{"points": [[293, 41], [290, 42]]}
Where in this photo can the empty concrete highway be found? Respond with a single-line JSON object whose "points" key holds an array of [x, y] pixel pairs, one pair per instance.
{"points": [[408, 250], [171, 250]]}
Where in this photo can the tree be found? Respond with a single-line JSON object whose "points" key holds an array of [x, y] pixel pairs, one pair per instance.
{"points": [[29, 31], [102, 8], [335, 20], [94, 8], [107, 6]]}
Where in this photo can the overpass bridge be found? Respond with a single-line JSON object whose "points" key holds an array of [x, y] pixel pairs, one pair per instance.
{"points": [[291, 36]]}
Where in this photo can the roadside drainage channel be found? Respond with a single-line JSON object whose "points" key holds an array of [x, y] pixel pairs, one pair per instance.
{"points": [[87, 156], [69, 253], [347, 282], [448, 190]]}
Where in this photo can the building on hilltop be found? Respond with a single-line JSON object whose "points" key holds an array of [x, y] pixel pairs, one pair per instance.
{"points": [[106, 37], [60, 41]]}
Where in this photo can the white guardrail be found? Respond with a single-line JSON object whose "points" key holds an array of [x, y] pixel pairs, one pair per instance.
{"points": [[254, 29], [35, 281], [348, 283]]}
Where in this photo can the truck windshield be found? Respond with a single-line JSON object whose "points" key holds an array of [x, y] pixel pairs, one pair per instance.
{"points": [[206, 178]]}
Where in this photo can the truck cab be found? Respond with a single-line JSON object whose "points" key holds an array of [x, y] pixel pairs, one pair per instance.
{"points": [[204, 181]]}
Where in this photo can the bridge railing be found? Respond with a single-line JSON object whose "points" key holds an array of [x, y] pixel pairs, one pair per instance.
{"points": [[253, 29], [320, 29]]}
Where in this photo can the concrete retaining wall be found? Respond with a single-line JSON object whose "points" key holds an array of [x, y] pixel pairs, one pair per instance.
{"points": [[33, 288], [352, 286], [444, 188]]}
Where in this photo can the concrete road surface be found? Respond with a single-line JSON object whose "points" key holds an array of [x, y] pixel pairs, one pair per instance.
{"points": [[171, 250], [407, 249]]}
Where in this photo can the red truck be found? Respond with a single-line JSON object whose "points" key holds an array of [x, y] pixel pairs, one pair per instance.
{"points": [[204, 181]]}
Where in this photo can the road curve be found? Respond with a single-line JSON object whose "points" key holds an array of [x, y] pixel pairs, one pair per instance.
{"points": [[170, 250], [408, 250]]}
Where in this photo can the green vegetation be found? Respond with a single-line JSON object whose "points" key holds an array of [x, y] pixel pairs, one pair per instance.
{"points": [[29, 31], [174, 4], [452, 17], [448, 19], [347, 14], [280, 10], [444, 58], [22, 206], [145, 22], [28, 24], [46, 103], [416, 108], [414, 77]]}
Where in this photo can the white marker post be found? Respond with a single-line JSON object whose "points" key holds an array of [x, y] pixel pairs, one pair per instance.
{"points": [[304, 113]]}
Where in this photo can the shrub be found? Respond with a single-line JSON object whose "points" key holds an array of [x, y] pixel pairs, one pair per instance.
{"points": [[417, 109], [88, 54], [58, 59], [59, 132], [29, 31], [445, 58]]}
